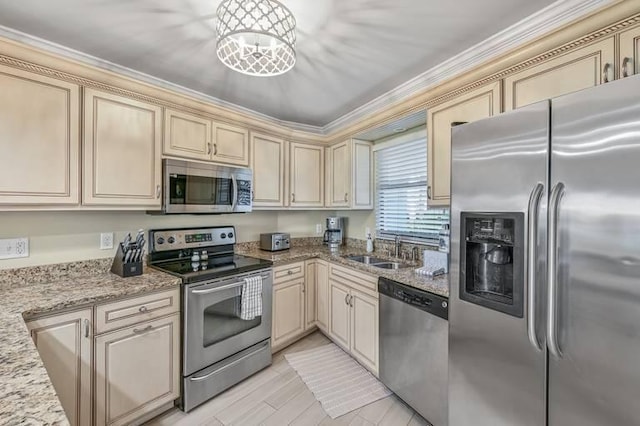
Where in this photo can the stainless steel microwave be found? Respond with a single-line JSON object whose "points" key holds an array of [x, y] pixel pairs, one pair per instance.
{"points": [[190, 187]]}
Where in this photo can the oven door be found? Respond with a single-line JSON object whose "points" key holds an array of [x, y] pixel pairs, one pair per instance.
{"points": [[213, 329]]}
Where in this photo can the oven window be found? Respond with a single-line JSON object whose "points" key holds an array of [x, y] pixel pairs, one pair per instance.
{"points": [[222, 320], [200, 190]]}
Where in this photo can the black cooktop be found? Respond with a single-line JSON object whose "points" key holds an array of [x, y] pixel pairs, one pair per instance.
{"points": [[215, 267]]}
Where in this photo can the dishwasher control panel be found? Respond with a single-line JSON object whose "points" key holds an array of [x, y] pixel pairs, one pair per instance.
{"points": [[428, 302]]}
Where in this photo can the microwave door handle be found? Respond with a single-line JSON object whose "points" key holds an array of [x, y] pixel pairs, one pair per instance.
{"points": [[234, 183]]}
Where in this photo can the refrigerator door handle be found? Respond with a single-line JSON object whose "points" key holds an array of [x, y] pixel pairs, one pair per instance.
{"points": [[552, 327], [532, 241]]}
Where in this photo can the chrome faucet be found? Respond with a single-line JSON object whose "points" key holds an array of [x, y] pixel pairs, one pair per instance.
{"points": [[397, 241]]}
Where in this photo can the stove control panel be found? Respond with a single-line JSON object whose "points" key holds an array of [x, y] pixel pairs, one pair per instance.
{"points": [[179, 239]]}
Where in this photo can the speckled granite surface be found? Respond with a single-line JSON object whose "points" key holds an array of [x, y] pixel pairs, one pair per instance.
{"points": [[438, 285], [27, 396]]}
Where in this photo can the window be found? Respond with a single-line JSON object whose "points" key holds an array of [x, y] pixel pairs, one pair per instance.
{"points": [[401, 191]]}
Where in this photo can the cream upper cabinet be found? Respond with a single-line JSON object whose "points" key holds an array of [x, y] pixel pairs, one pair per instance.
{"points": [[339, 315], [474, 105], [339, 174], [310, 285], [576, 70], [230, 144], [122, 151], [187, 135], [269, 170], [39, 139], [288, 312], [64, 345], [137, 370], [629, 52], [349, 179], [364, 329], [322, 294], [306, 175]]}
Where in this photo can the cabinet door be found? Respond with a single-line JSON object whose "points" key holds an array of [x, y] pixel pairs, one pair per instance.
{"points": [[122, 147], [629, 52], [306, 175], [361, 196], [288, 311], [364, 329], [339, 329], [322, 294], [310, 285], [579, 69], [475, 105], [230, 144], [268, 165], [187, 135], [64, 344], [137, 370], [39, 139], [339, 179]]}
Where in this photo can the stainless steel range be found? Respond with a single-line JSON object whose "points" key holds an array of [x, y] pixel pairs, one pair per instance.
{"points": [[226, 313]]}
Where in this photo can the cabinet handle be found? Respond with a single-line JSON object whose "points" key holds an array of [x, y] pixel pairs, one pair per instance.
{"points": [[215, 149], [429, 192], [304, 287], [346, 299], [293, 197], [208, 148], [144, 330], [346, 197], [605, 72], [351, 301], [87, 328], [289, 272], [625, 67], [158, 191], [143, 309]]}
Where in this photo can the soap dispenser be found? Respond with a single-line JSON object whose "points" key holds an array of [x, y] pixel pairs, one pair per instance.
{"points": [[369, 243]]}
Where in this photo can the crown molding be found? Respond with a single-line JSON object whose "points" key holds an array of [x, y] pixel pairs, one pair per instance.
{"points": [[540, 23]]}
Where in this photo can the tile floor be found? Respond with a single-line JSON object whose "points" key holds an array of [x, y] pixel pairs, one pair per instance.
{"points": [[277, 396]]}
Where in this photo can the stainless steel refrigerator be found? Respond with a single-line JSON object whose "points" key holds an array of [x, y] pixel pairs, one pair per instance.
{"points": [[544, 309]]}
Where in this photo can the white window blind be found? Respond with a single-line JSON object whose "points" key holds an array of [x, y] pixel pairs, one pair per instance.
{"points": [[401, 186]]}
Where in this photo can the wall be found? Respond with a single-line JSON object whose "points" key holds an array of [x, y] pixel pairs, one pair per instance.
{"points": [[70, 236], [358, 221]]}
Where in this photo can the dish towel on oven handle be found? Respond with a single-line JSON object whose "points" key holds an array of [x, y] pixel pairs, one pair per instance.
{"points": [[251, 300]]}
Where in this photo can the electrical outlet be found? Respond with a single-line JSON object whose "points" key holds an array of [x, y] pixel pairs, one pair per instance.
{"points": [[318, 228], [106, 241], [14, 248]]}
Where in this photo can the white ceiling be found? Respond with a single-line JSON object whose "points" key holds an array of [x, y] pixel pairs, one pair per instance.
{"points": [[349, 51]]}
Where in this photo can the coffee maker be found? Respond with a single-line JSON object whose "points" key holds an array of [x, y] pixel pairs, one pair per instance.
{"points": [[334, 235]]}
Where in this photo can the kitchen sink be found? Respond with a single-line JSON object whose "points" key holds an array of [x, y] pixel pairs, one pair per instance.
{"points": [[377, 262]]}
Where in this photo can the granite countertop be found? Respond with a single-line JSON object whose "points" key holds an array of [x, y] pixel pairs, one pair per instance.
{"points": [[26, 393], [438, 285]]}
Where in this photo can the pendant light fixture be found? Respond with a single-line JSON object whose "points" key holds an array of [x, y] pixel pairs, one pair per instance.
{"points": [[256, 37]]}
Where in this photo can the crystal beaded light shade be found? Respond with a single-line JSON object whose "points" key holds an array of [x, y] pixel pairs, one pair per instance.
{"points": [[256, 37]]}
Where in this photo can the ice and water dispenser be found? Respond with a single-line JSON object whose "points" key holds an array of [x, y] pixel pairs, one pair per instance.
{"points": [[492, 257]]}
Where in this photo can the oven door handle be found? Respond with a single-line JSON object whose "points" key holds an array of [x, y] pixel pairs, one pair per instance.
{"points": [[231, 364], [216, 289]]}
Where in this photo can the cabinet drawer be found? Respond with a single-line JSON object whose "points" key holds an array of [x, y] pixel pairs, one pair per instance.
{"points": [[132, 311], [352, 278], [288, 272]]}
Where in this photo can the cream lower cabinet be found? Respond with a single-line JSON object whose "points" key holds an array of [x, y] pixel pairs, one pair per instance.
{"points": [[289, 320], [269, 170], [137, 370], [629, 52], [39, 139], [349, 175], [121, 151], [306, 175], [576, 70], [353, 317], [64, 344], [471, 106], [321, 269]]}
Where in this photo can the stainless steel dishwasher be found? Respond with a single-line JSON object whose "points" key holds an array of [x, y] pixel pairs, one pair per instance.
{"points": [[414, 348]]}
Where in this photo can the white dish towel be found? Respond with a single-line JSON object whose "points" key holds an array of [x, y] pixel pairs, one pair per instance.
{"points": [[251, 300]]}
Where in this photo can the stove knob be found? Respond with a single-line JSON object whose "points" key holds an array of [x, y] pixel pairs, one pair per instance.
{"points": [[230, 235], [223, 235], [160, 241], [171, 240]]}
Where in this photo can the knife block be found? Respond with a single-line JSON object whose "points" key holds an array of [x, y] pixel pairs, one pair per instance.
{"points": [[125, 270]]}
